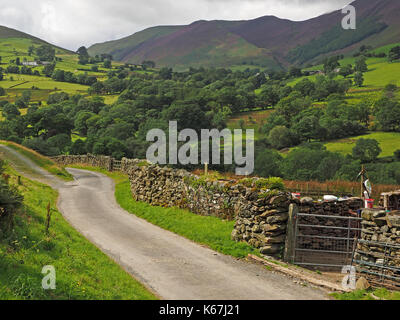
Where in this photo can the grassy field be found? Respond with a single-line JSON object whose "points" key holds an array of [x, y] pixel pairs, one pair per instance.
{"points": [[15, 84], [380, 73], [76, 261], [40, 160], [210, 231], [388, 141]]}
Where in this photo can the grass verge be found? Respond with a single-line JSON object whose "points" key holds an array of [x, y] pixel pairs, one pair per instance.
{"points": [[370, 294], [82, 270], [210, 231], [40, 160]]}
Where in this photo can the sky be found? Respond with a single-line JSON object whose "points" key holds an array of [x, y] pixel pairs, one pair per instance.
{"points": [[73, 23]]}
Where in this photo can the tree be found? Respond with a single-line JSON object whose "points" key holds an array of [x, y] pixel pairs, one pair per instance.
{"points": [[1, 75], [267, 163], [295, 72], [361, 64], [366, 150], [397, 155], [78, 147], [166, 73], [2, 91], [394, 54], [31, 49], [388, 114], [359, 79], [83, 55], [46, 53], [305, 86], [346, 70], [48, 69], [281, 137], [308, 128], [107, 64], [331, 64]]}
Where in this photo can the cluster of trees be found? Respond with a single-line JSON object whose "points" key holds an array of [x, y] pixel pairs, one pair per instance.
{"points": [[67, 76], [14, 69], [312, 161], [296, 120], [45, 53]]}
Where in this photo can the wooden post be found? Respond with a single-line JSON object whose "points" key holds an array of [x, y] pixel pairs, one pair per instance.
{"points": [[48, 208], [362, 182], [290, 234], [19, 180], [205, 168]]}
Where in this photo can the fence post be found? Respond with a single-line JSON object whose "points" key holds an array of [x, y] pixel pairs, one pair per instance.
{"points": [[290, 234]]}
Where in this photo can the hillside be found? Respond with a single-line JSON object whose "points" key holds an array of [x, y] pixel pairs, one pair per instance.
{"points": [[6, 32], [266, 41], [9, 33]]}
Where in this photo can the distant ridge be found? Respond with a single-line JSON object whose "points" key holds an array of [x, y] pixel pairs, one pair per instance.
{"points": [[267, 41]]}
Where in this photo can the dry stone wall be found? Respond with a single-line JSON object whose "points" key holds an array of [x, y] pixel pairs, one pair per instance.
{"points": [[104, 162], [378, 250]]}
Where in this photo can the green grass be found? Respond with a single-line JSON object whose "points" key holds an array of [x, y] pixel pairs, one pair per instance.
{"points": [[82, 270], [40, 160], [210, 231], [369, 294], [388, 141]]}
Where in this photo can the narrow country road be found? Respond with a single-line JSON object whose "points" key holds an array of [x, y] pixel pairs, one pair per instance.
{"points": [[171, 266]]}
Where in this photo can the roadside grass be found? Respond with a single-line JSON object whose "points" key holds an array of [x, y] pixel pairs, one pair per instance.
{"points": [[213, 232], [388, 141], [370, 294], [82, 270], [40, 160]]}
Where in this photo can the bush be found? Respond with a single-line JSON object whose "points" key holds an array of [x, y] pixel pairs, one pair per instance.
{"points": [[10, 201]]}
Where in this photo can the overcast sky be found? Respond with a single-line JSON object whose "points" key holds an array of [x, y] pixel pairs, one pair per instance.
{"points": [[72, 23]]}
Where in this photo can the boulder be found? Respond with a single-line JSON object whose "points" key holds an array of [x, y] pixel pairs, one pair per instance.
{"points": [[362, 284], [270, 249]]}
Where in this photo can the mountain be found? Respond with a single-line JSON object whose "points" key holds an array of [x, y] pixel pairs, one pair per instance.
{"points": [[267, 41]]}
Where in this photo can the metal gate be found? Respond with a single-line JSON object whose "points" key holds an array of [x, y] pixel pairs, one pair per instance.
{"points": [[116, 165], [324, 241], [380, 268]]}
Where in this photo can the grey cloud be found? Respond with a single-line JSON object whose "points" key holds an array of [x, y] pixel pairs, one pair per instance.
{"points": [[83, 22]]}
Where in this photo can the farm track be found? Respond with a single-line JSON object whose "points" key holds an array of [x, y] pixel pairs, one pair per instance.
{"points": [[169, 265]]}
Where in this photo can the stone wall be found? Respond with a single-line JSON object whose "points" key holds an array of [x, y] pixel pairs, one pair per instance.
{"points": [[262, 221], [104, 162], [379, 246]]}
